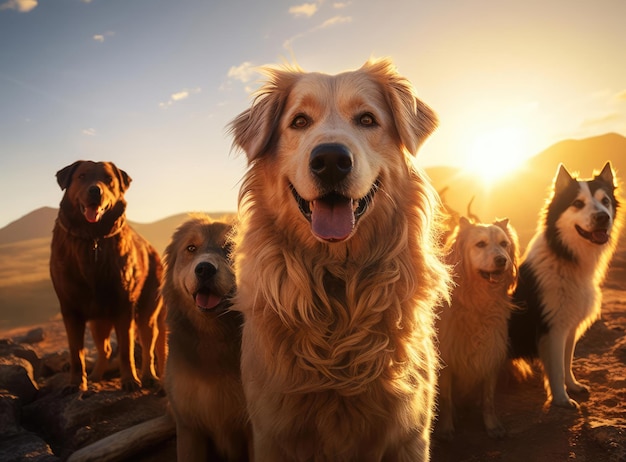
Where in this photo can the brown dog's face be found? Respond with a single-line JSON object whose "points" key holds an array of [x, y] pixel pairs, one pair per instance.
{"points": [[331, 142], [93, 188], [198, 264]]}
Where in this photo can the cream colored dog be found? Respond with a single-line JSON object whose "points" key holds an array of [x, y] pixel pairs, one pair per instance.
{"points": [[473, 327], [337, 267]]}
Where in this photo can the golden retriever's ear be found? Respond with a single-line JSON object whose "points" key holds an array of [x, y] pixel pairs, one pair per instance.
{"points": [[414, 120], [254, 130], [464, 222]]}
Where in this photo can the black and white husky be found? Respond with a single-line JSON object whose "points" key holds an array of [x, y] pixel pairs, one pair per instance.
{"points": [[558, 290]]}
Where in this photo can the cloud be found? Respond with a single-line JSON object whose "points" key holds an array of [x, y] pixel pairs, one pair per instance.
{"points": [[602, 120], [621, 96], [306, 9], [335, 20], [340, 5], [101, 37], [244, 72], [179, 96], [89, 131], [21, 6]]}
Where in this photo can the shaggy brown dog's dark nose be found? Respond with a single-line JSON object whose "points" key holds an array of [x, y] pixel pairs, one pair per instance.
{"points": [[331, 163], [205, 271]]}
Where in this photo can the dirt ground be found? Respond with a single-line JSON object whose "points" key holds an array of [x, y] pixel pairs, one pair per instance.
{"points": [[536, 433], [539, 433]]}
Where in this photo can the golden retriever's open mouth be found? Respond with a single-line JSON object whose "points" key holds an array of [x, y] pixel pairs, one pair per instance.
{"points": [[333, 216], [492, 276]]}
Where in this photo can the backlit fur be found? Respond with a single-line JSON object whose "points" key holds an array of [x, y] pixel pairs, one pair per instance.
{"points": [[472, 328], [202, 377], [338, 361], [560, 276]]}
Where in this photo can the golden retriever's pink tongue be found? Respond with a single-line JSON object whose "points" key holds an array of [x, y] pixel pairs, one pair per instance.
{"points": [[207, 301], [332, 221], [93, 214]]}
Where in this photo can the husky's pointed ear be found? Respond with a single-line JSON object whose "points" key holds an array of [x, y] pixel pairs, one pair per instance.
{"points": [[254, 130], [562, 179], [413, 118], [607, 174]]}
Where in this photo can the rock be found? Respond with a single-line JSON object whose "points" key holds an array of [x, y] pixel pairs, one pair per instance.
{"points": [[32, 336], [16, 376], [9, 414], [25, 446]]}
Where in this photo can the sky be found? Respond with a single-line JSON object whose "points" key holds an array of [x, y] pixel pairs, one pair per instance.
{"points": [[153, 84]]}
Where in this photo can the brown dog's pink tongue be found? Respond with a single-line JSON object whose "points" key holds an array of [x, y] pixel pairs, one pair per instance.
{"points": [[332, 220], [207, 301], [93, 214]]}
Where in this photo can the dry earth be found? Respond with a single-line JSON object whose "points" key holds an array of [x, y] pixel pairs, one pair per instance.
{"points": [[538, 433]]}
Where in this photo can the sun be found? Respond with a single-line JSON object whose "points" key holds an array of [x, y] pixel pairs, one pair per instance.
{"points": [[495, 153]]}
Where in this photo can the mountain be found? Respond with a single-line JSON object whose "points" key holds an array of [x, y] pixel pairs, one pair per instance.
{"points": [[38, 224]]}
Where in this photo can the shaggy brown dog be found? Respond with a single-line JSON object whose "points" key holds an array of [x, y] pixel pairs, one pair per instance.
{"points": [[473, 327], [202, 377], [337, 267], [105, 273]]}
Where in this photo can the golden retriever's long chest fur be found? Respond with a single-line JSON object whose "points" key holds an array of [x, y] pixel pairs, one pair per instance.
{"points": [[337, 268]]}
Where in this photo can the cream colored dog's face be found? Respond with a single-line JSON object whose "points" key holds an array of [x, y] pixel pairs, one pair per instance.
{"points": [[198, 265], [487, 250], [332, 141]]}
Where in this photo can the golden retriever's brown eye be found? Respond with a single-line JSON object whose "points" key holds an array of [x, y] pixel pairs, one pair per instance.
{"points": [[578, 204], [481, 244], [191, 248], [366, 120], [504, 244], [606, 202], [300, 121]]}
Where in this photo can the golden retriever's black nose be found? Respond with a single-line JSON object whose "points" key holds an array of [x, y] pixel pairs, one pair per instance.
{"points": [[330, 162], [205, 271]]}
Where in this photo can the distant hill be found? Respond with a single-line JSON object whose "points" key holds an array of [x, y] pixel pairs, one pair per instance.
{"points": [[39, 223]]}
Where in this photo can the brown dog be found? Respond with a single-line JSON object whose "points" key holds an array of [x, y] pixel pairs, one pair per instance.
{"points": [[105, 273], [202, 377], [338, 269]]}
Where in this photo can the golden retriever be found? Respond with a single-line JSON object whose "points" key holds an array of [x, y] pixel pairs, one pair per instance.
{"points": [[472, 328], [104, 272], [338, 270], [202, 377]]}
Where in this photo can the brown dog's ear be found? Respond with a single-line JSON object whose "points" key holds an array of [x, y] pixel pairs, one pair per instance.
{"points": [[414, 120], [64, 176], [254, 130], [122, 177]]}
